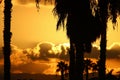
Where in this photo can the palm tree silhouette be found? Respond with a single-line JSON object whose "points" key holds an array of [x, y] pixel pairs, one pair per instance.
{"points": [[110, 76], [7, 38], [78, 13], [82, 29], [62, 67], [95, 67], [88, 64], [114, 8]]}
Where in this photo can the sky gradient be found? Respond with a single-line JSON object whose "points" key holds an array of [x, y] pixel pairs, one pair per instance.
{"points": [[34, 33], [30, 27]]}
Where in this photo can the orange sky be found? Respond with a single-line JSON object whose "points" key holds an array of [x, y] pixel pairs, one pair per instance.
{"points": [[40, 26], [30, 28]]}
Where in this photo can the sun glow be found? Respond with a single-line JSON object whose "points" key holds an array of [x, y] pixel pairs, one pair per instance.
{"points": [[52, 67], [40, 27], [66, 44]]}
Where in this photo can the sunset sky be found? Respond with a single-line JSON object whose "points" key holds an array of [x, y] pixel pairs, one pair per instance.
{"points": [[34, 33]]}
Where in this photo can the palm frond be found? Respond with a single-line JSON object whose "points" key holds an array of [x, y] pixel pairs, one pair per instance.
{"points": [[61, 10], [93, 6], [114, 10], [58, 70]]}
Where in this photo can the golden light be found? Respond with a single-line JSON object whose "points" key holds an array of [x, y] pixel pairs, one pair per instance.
{"points": [[41, 26], [52, 67]]}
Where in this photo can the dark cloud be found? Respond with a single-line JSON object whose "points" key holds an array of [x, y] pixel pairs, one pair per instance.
{"points": [[64, 53], [115, 46], [45, 51], [94, 54], [48, 50], [29, 68], [112, 53], [58, 51], [42, 52]]}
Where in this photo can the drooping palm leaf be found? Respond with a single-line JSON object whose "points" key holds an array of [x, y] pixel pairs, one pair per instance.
{"points": [[114, 8], [61, 10]]}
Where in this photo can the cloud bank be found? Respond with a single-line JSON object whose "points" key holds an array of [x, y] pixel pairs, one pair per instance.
{"points": [[44, 57]]}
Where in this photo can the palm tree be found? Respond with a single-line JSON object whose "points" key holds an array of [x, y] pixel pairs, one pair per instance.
{"points": [[62, 67], [72, 61], [67, 9], [88, 64], [80, 34], [103, 15], [110, 76], [7, 38], [95, 68], [114, 8]]}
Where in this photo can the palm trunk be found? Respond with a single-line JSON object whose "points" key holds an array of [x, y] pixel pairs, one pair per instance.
{"points": [[87, 72], [62, 75], [104, 16], [79, 61], [72, 62], [7, 37], [102, 61]]}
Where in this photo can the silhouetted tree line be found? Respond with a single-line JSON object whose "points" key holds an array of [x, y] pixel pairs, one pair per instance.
{"points": [[63, 68]]}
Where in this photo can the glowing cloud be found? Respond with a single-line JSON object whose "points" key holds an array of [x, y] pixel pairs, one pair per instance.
{"points": [[44, 57]]}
